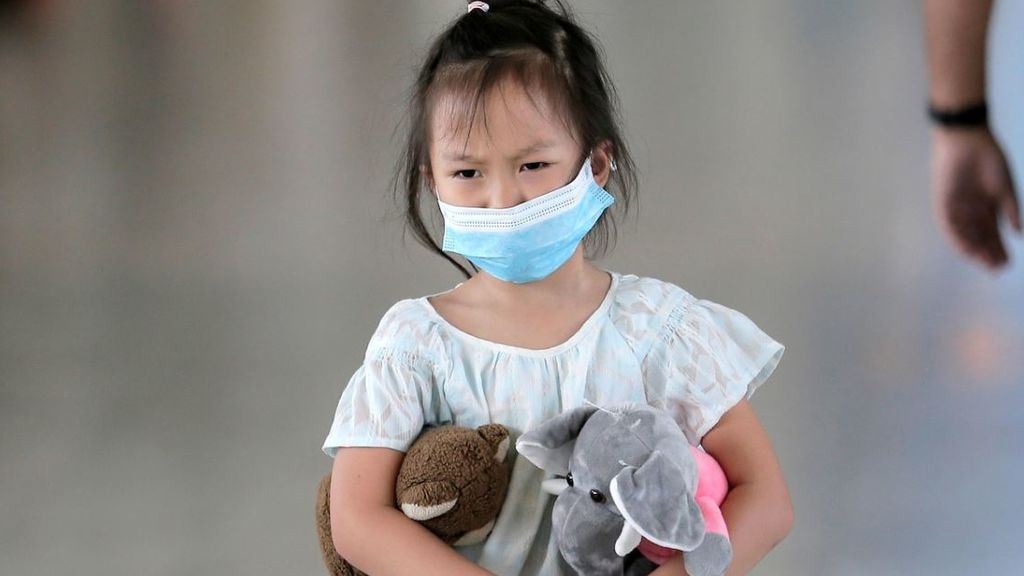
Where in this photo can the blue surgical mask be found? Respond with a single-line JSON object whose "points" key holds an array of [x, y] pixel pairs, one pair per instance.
{"points": [[529, 241]]}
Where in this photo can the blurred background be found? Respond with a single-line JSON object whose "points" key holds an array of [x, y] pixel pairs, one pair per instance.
{"points": [[197, 239]]}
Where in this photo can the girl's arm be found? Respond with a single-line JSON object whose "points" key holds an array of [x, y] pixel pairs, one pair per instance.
{"points": [[757, 509], [371, 532]]}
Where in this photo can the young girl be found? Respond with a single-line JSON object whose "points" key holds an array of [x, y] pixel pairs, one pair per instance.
{"points": [[514, 134]]}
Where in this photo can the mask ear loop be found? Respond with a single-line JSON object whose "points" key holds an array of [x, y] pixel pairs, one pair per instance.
{"points": [[614, 167]]}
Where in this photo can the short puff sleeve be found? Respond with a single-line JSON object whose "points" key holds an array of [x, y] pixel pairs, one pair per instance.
{"points": [[392, 395], [706, 358]]}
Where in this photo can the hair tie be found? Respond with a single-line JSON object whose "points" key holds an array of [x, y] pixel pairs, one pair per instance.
{"points": [[474, 5]]}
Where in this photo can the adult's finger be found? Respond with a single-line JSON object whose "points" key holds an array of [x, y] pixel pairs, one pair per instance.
{"points": [[976, 232], [1011, 208]]}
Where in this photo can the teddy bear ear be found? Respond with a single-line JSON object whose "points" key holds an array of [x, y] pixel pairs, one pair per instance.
{"points": [[428, 500], [497, 436]]}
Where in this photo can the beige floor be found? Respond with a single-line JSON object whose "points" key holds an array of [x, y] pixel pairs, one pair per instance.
{"points": [[196, 242]]}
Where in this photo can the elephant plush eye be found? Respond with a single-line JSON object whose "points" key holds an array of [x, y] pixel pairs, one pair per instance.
{"points": [[568, 479], [597, 496]]}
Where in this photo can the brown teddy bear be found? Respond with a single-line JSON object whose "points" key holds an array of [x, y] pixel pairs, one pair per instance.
{"points": [[452, 480]]}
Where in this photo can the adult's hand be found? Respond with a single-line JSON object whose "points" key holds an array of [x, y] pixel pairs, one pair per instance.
{"points": [[972, 190]]}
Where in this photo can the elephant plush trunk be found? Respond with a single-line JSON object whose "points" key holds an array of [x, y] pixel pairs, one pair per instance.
{"points": [[628, 540]]}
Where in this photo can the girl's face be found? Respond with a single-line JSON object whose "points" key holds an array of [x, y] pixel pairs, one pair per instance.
{"points": [[523, 151]]}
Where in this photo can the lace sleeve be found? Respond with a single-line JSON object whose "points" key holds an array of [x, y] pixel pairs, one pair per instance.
{"points": [[396, 391], [387, 402], [705, 360]]}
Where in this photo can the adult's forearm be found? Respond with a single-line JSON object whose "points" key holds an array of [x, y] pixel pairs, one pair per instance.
{"points": [[955, 33], [386, 542]]}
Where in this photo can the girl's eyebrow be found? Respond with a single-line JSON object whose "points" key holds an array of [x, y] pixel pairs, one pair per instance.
{"points": [[539, 145]]}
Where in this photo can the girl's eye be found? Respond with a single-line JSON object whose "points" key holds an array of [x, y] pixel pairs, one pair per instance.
{"points": [[534, 166], [458, 174]]}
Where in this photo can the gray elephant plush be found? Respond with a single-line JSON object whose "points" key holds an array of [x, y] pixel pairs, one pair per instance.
{"points": [[627, 480]]}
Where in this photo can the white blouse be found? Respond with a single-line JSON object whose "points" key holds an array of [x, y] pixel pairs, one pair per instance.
{"points": [[649, 341]]}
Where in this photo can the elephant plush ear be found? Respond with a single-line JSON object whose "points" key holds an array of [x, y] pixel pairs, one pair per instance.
{"points": [[657, 501], [550, 445]]}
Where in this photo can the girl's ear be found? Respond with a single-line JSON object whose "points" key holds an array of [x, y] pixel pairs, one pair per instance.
{"points": [[601, 162]]}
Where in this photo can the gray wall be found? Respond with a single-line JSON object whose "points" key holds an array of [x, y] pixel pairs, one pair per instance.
{"points": [[197, 240]]}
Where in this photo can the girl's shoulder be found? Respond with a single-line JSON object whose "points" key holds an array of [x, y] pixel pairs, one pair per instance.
{"points": [[407, 328], [641, 294], [642, 307]]}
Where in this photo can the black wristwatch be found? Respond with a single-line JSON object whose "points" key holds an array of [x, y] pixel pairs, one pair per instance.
{"points": [[966, 117]]}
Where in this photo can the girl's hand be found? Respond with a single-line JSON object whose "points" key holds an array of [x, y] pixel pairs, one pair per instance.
{"points": [[672, 567], [971, 188]]}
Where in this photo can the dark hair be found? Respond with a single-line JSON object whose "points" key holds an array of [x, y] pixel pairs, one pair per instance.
{"points": [[542, 48]]}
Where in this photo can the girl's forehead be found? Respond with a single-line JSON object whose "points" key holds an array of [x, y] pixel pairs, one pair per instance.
{"points": [[506, 115]]}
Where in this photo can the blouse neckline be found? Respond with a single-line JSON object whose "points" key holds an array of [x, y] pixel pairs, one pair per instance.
{"points": [[591, 321]]}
